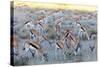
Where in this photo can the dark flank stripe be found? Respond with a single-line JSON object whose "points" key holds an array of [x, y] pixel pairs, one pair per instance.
{"points": [[33, 46], [58, 45]]}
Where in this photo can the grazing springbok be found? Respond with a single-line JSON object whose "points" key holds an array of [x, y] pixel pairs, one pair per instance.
{"points": [[33, 47], [40, 50], [72, 42], [28, 43]]}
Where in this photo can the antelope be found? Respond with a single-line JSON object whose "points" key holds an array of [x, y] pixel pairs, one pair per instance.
{"points": [[35, 44], [72, 42], [59, 43], [44, 26], [40, 51], [39, 25], [85, 32], [81, 31], [31, 46], [38, 35], [58, 27]]}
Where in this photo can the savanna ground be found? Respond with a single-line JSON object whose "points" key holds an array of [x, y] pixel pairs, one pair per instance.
{"points": [[87, 19]]}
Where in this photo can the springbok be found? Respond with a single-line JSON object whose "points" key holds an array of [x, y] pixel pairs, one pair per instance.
{"points": [[39, 35], [85, 33], [58, 27], [33, 47], [81, 31], [72, 42], [40, 50]]}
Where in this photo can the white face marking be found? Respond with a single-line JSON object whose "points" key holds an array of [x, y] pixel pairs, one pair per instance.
{"points": [[81, 30], [32, 48], [26, 47]]}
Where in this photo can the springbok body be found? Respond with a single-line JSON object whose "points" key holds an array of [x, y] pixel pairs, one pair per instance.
{"points": [[58, 27], [40, 49], [30, 45], [81, 32], [71, 42]]}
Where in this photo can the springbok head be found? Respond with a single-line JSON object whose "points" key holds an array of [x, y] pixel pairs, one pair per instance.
{"points": [[29, 44]]}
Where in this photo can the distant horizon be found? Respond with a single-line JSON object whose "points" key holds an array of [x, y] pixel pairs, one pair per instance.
{"points": [[48, 5]]}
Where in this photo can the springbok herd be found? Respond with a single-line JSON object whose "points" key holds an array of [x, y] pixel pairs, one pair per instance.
{"points": [[52, 35]]}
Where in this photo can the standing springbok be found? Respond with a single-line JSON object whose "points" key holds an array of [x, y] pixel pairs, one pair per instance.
{"points": [[81, 31], [58, 27]]}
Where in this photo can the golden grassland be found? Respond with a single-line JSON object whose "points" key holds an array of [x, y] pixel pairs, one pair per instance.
{"points": [[89, 8]]}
